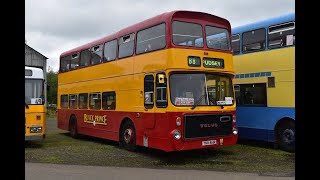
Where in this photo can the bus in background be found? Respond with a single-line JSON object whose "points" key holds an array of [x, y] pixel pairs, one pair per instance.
{"points": [[164, 83], [264, 63], [35, 110]]}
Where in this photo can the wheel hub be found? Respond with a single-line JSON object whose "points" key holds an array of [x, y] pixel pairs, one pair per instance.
{"points": [[288, 136], [128, 134]]}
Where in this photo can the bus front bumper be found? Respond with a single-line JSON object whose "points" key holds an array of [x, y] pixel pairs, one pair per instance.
{"points": [[34, 138]]}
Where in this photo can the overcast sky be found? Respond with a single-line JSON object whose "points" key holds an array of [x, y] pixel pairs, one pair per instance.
{"points": [[55, 26]]}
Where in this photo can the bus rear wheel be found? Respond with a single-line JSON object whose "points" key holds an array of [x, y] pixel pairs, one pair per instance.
{"points": [[287, 137], [128, 136], [73, 127]]}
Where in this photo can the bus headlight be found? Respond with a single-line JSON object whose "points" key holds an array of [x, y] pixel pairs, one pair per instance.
{"points": [[235, 131], [177, 134], [36, 129]]}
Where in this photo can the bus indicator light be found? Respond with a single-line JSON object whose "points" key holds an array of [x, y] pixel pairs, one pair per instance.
{"points": [[178, 121]]}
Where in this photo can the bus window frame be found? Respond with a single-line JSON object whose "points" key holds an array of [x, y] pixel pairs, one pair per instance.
{"points": [[113, 104], [93, 51], [280, 31], [227, 38], [238, 34], [67, 101], [241, 103], [89, 100], [71, 58], [75, 99], [86, 103], [89, 62], [104, 60], [204, 46], [63, 60], [253, 51], [134, 44], [165, 35]]}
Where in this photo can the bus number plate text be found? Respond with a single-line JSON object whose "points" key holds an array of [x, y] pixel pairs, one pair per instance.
{"points": [[210, 142]]}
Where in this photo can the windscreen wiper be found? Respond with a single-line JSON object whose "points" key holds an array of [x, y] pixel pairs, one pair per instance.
{"points": [[198, 101]]}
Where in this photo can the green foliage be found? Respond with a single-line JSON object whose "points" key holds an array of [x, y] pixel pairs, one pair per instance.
{"points": [[52, 78], [51, 112]]}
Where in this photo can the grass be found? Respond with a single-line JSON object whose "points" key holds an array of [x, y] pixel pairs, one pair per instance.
{"points": [[59, 147]]}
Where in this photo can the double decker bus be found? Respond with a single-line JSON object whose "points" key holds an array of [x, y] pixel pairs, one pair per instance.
{"points": [[164, 83], [264, 62], [35, 110]]}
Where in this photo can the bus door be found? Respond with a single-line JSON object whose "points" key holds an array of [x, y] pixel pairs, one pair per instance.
{"points": [[222, 88], [161, 98], [148, 117], [252, 112]]}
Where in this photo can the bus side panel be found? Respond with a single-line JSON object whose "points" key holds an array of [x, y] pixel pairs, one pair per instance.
{"points": [[157, 136], [63, 121], [260, 124]]}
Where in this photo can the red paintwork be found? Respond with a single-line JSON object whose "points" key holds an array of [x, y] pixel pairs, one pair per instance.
{"points": [[160, 136], [189, 16]]}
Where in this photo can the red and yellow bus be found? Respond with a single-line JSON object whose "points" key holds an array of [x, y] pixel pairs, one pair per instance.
{"points": [[164, 83]]}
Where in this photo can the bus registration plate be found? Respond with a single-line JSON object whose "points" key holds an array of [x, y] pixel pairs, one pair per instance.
{"points": [[210, 142]]}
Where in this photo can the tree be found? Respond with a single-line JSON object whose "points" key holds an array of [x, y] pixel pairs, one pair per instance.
{"points": [[52, 78]]}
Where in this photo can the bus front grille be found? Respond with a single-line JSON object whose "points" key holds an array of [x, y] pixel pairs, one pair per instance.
{"points": [[207, 125]]}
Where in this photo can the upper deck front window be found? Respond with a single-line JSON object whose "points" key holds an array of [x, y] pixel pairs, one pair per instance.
{"points": [[187, 34], [217, 38]]}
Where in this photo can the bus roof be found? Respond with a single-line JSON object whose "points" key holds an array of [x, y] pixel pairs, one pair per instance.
{"points": [[37, 73], [164, 17], [264, 23]]}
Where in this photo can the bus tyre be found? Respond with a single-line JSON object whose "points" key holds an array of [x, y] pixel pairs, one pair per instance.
{"points": [[287, 137], [73, 127], [128, 136]]}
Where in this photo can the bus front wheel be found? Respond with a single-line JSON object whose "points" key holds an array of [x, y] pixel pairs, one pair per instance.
{"points": [[287, 137], [128, 136], [73, 127]]}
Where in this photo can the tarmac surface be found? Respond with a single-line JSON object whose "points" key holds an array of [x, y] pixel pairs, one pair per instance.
{"points": [[40, 171]]}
